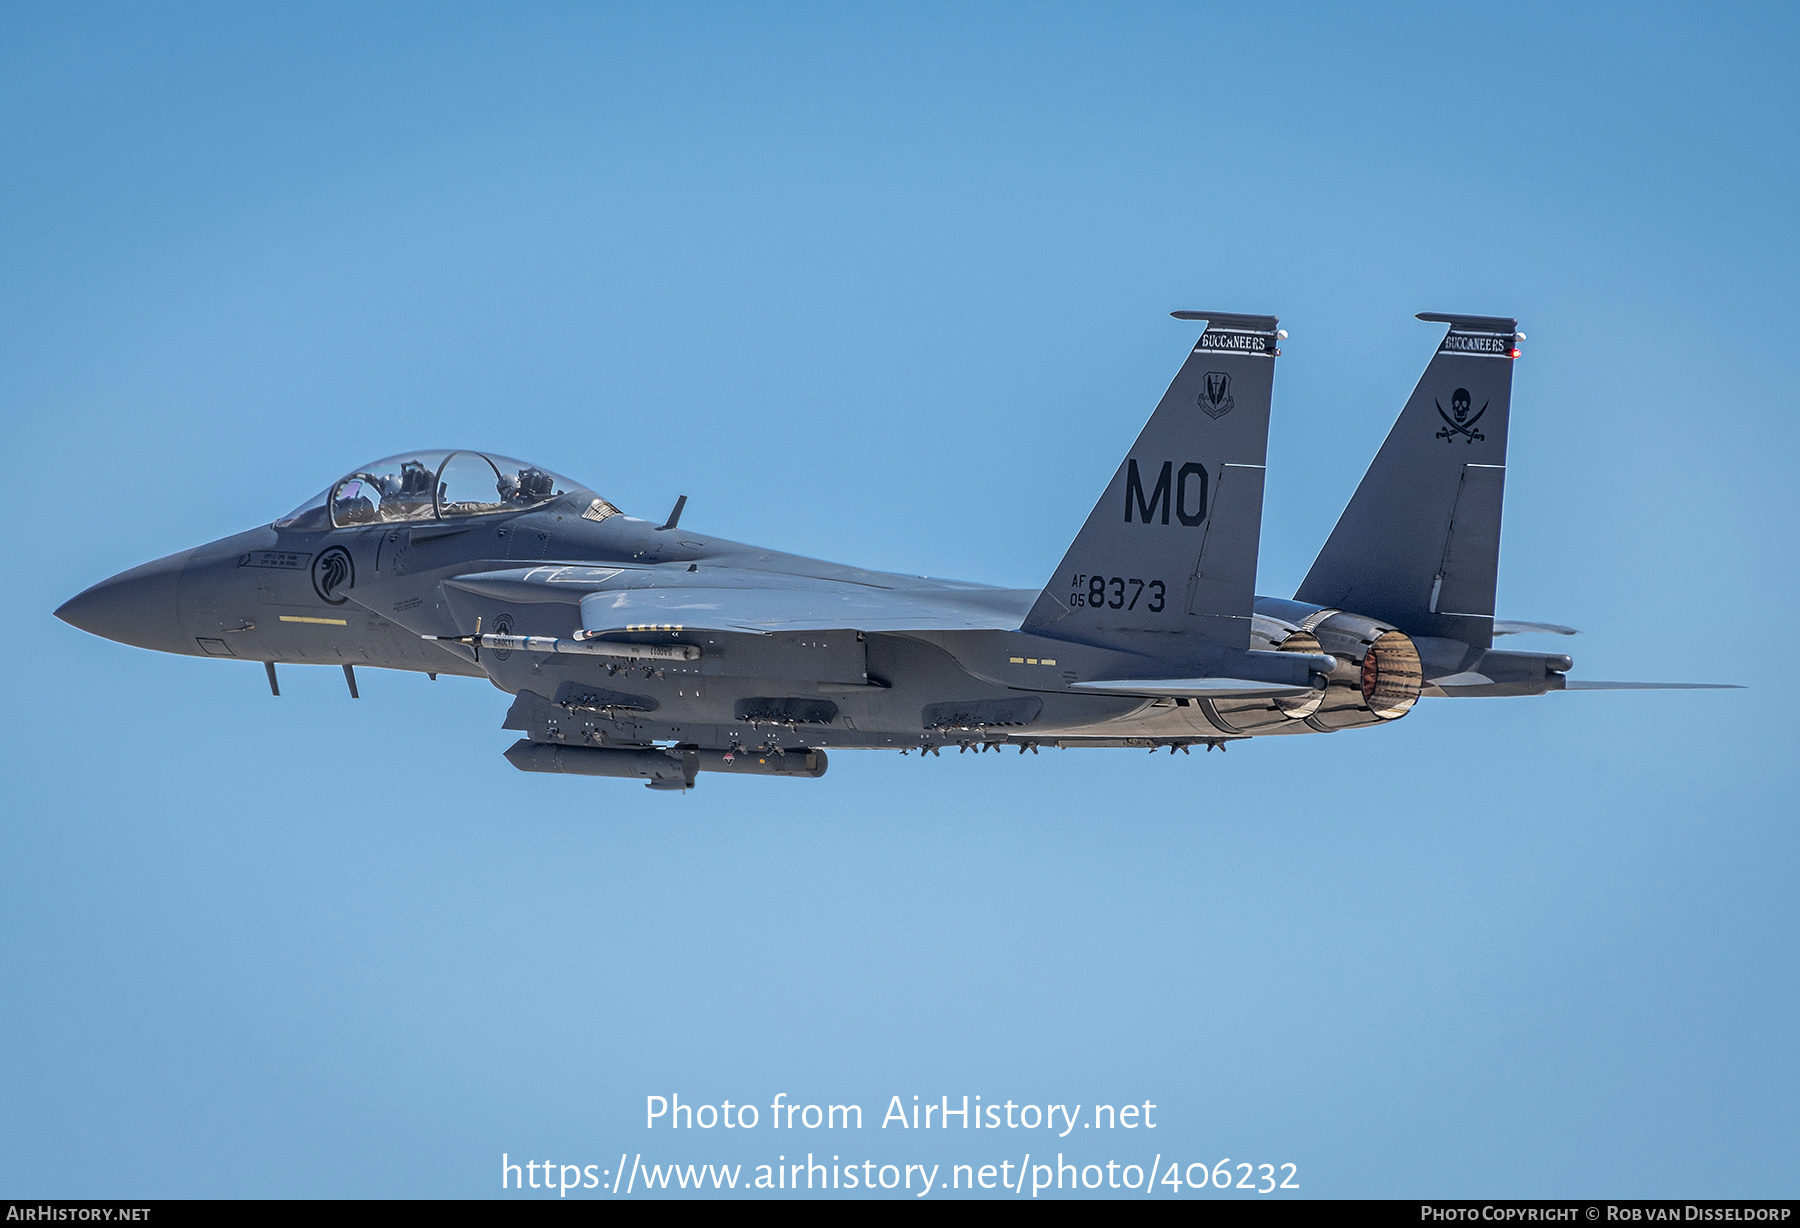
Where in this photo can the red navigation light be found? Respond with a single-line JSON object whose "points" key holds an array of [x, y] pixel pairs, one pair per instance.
{"points": [[1514, 352]]}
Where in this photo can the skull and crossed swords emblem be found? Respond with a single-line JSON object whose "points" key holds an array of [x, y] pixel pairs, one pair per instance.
{"points": [[1463, 423]]}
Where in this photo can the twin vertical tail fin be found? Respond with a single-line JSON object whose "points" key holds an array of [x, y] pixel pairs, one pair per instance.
{"points": [[1418, 546], [1170, 549]]}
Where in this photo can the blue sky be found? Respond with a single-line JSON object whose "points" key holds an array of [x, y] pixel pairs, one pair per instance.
{"points": [[888, 285]]}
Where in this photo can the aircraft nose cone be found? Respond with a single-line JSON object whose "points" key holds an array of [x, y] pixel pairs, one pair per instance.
{"points": [[136, 607]]}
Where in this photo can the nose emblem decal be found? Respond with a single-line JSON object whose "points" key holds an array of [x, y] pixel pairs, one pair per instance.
{"points": [[332, 570]]}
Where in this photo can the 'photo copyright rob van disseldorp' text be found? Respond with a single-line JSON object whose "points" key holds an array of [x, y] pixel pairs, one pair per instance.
{"points": [[1026, 1150]]}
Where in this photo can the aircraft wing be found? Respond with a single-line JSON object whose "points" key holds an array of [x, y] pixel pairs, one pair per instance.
{"points": [[765, 610], [742, 600]]}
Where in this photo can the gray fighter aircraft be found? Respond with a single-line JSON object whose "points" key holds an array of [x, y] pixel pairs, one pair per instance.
{"points": [[652, 651]]}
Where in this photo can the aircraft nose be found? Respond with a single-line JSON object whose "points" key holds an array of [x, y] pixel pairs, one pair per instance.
{"points": [[136, 607]]}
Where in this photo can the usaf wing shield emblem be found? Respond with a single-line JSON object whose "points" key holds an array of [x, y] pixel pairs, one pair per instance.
{"points": [[1215, 394]]}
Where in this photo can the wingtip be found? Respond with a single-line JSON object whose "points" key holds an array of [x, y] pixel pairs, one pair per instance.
{"points": [[1594, 684], [1513, 626]]}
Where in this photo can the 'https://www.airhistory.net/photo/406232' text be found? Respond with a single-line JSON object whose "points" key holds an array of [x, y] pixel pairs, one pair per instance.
{"points": [[1002, 1163]]}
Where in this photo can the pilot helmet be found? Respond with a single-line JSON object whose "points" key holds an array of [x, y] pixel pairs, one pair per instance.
{"points": [[415, 479]]}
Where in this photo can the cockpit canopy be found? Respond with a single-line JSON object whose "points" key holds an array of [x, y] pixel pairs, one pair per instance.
{"points": [[416, 486]]}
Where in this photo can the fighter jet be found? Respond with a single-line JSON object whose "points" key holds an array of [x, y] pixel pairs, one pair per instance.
{"points": [[651, 651]]}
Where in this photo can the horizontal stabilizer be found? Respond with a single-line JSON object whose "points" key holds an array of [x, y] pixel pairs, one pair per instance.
{"points": [[1507, 626], [1192, 688], [1574, 685]]}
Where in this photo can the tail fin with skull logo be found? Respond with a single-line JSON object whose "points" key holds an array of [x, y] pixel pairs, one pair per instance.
{"points": [[1418, 546]]}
